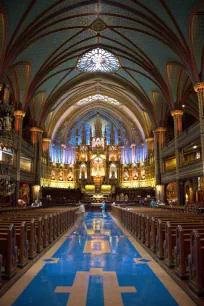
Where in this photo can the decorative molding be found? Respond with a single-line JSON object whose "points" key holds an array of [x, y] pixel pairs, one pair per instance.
{"points": [[160, 129], [19, 114], [150, 139], [46, 140], [198, 86], [177, 112], [36, 130]]}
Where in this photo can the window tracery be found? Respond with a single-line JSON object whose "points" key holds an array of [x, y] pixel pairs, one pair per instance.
{"points": [[98, 60], [98, 97]]}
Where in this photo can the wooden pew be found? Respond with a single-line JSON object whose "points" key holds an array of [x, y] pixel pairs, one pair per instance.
{"points": [[31, 234], [8, 250], [160, 237], [170, 241], [154, 235], [196, 263], [21, 242], [47, 225], [38, 227], [1, 265], [182, 249]]}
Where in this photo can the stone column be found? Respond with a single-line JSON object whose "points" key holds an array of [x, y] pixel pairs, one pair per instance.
{"points": [[133, 153], [46, 173], [88, 172], [159, 143], [150, 147], [107, 166], [63, 147], [36, 138], [46, 145], [19, 115], [199, 88], [177, 116], [118, 172], [46, 148]]}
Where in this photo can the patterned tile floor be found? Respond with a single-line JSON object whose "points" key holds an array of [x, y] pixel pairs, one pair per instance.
{"points": [[104, 268]]}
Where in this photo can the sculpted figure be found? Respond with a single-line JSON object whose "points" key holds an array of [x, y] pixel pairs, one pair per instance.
{"points": [[8, 120]]}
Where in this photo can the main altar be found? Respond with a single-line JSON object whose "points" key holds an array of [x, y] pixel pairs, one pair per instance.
{"points": [[99, 160]]}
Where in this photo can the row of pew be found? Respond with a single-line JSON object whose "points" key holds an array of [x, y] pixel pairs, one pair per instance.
{"points": [[25, 234], [174, 237]]}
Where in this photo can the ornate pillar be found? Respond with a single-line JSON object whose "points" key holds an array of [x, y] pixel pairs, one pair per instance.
{"points": [[122, 154], [107, 166], [46, 145], [46, 171], [159, 143], [150, 148], [177, 116], [63, 147], [46, 148], [88, 171], [199, 88], [19, 115], [133, 153], [36, 138]]}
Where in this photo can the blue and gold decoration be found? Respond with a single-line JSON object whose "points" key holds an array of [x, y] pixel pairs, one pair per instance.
{"points": [[102, 268]]}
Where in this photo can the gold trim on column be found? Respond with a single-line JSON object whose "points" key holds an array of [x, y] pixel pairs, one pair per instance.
{"points": [[19, 113], [160, 129], [46, 140], [36, 130], [63, 146], [177, 112], [149, 139], [198, 86]]}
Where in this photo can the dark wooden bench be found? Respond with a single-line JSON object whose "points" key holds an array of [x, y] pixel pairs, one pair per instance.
{"points": [[1, 265], [182, 249], [160, 237], [8, 250], [31, 234], [38, 227], [196, 263], [170, 241], [21, 242]]}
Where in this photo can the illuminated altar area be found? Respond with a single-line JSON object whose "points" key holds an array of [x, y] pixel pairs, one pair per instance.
{"points": [[98, 157]]}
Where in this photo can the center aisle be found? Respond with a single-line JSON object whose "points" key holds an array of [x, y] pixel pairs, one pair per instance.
{"points": [[105, 268]]}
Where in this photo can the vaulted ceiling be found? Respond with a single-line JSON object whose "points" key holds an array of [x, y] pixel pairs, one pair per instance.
{"points": [[159, 44]]}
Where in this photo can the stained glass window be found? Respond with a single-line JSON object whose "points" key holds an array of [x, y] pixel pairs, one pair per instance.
{"points": [[98, 97], [98, 60]]}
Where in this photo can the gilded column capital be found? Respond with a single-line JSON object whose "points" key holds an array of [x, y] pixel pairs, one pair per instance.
{"points": [[177, 112], [149, 139], [63, 146], [46, 140], [198, 86], [36, 130], [160, 129], [19, 114]]}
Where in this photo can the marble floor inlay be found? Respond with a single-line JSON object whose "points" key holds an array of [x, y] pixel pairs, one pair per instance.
{"points": [[107, 267]]}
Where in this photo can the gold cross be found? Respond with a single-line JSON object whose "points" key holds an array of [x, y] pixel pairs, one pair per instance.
{"points": [[112, 290]]}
